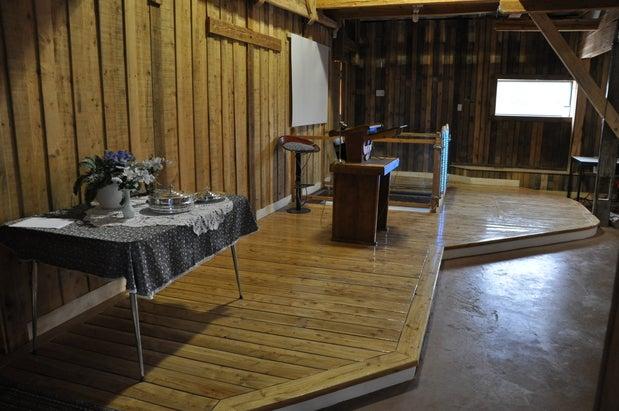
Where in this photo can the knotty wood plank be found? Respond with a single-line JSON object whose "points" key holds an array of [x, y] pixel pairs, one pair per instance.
{"points": [[9, 181], [254, 118], [165, 118], [139, 80], [62, 387], [322, 383], [173, 362], [184, 94], [87, 94], [20, 44], [240, 54], [257, 348], [55, 64], [215, 67], [200, 95], [113, 383], [114, 74], [227, 105], [198, 349]]}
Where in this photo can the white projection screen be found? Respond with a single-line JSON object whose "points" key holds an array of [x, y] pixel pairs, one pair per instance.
{"points": [[310, 81]]}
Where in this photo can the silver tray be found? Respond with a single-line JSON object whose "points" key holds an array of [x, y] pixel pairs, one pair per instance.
{"points": [[175, 209], [170, 202], [208, 197]]}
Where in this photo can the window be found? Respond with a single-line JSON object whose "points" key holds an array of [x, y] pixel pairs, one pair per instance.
{"points": [[535, 98]]}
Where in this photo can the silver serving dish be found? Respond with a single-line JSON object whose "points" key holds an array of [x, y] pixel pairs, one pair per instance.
{"points": [[170, 202], [207, 197]]}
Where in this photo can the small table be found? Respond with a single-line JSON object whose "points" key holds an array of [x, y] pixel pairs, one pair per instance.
{"points": [[582, 162], [149, 257], [361, 199]]}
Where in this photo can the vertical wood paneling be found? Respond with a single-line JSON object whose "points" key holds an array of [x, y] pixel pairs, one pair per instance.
{"points": [[253, 103], [81, 76], [9, 178], [214, 104], [165, 125], [452, 62], [227, 104], [139, 81], [200, 95], [21, 49], [184, 91], [114, 75], [240, 102], [86, 78], [56, 91]]}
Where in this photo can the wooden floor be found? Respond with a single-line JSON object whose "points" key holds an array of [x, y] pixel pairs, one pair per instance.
{"points": [[317, 315]]}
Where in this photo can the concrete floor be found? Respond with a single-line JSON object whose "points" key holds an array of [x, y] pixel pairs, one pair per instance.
{"points": [[513, 331]]}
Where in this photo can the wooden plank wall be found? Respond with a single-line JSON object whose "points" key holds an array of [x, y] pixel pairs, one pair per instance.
{"points": [[81, 76], [428, 68]]}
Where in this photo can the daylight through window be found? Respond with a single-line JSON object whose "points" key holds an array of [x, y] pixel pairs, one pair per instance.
{"points": [[535, 98]]}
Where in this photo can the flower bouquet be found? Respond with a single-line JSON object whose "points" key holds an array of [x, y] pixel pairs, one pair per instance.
{"points": [[116, 174]]}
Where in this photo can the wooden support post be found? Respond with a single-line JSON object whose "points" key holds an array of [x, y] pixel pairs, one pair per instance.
{"points": [[578, 70], [436, 173], [605, 177]]}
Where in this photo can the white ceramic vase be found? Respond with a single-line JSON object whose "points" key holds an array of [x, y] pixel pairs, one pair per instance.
{"points": [[109, 197], [127, 207]]}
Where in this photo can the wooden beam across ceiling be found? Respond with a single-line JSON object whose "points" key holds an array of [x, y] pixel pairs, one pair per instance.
{"points": [[578, 70], [524, 6], [376, 10], [526, 25], [301, 8]]}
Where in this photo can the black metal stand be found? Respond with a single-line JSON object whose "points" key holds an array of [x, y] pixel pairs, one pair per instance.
{"points": [[298, 208]]}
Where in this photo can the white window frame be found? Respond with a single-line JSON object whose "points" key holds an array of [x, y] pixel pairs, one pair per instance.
{"points": [[533, 114]]}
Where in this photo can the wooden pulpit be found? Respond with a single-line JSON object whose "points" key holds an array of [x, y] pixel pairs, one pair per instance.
{"points": [[361, 199]]}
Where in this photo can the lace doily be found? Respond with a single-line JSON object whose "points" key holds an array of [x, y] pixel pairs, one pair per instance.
{"points": [[202, 218]]}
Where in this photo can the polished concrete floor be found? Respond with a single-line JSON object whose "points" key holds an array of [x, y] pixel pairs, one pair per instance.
{"points": [[511, 331]]}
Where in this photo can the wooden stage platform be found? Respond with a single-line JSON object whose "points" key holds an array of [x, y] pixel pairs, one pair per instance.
{"points": [[319, 318]]}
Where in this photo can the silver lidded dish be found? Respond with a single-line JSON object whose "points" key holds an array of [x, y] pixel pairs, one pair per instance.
{"points": [[207, 197], [168, 201]]}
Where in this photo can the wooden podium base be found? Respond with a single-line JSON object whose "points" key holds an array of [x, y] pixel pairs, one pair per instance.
{"points": [[361, 199]]}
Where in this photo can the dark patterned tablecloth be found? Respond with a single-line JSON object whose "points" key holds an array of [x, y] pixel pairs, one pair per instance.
{"points": [[149, 257]]}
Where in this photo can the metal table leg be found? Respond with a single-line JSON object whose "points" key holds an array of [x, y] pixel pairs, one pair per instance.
{"points": [[236, 269], [579, 182], [569, 178], [136, 326], [34, 287]]}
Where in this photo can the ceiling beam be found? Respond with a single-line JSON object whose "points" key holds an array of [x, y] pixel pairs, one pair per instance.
{"points": [[347, 4], [526, 25], [302, 10], [406, 11], [578, 70], [523, 6]]}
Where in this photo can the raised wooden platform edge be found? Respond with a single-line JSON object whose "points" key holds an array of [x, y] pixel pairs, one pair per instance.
{"points": [[334, 383], [517, 243]]}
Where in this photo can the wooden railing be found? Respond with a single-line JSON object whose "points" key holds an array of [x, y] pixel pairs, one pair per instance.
{"points": [[440, 143]]}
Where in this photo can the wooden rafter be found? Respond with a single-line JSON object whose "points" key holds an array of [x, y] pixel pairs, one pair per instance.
{"points": [[301, 9], [395, 12], [525, 25], [347, 4], [524, 6], [311, 10], [578, 70]]}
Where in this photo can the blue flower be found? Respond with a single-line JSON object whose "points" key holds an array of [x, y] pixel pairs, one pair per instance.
{"points": [[121, 157]]}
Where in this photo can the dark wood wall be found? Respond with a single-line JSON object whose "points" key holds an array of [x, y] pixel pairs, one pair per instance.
{"points": [[429, 68], [81, 76]]}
